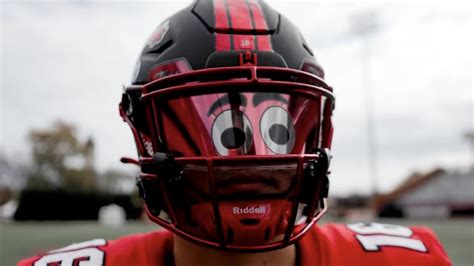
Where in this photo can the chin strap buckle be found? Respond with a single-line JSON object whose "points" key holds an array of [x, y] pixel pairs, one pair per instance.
{"points": [[165, 166], [162, 165], [322, 170], [317, 171]]}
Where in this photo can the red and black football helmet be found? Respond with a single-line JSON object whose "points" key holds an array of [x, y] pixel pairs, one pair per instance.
{"points": [[232, 122]]}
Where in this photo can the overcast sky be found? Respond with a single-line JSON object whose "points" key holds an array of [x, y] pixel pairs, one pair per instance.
{"points": [[68, 60]]}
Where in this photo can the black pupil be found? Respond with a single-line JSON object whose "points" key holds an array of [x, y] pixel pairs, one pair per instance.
{"points": [[279, 134], [233, 138]]}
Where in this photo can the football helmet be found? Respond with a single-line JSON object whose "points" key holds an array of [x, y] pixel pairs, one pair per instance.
{"points": [[231, 118]]}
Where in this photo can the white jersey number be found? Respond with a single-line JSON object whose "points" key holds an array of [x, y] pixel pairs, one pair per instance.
{"points": [[79, 254], [373, 236]]}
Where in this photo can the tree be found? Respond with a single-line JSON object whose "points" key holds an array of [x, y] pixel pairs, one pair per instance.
{"points": [[60, 159]]}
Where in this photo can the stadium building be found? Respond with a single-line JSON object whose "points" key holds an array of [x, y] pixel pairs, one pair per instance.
{"points": [[436, 194]]}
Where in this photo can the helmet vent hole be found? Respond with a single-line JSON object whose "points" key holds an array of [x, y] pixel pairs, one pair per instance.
{"points": [[267, 234], [233, 138], [249, 221]]}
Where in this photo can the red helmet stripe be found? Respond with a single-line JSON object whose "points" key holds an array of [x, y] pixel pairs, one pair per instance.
{"points": [[222, 22], [222, 42], [239, 13], [263, 41], [241, 17]]}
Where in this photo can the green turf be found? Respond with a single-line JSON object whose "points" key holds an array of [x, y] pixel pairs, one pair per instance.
{"points": [[19, 240]]}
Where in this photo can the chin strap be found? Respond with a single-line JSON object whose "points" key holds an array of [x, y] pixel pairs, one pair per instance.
{"points": [[161, 166], [316, 172], [164, 166], [322, 170]]}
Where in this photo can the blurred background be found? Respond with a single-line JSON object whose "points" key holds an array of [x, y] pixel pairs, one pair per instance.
{"points": [[404, 137]]}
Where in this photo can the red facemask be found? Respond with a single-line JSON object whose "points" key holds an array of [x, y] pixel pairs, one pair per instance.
{"points": [[238, 161]]}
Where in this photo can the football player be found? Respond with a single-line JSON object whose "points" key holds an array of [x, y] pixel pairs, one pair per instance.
{"points": [[231, 117]]}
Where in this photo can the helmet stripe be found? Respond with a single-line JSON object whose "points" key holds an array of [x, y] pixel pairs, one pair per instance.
{"points": [[235, 21], [263, 41], [239, 13], [222, 23]]}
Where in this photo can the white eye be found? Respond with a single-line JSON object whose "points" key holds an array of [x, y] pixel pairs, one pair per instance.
{"points": [[232, 131], [278, 132]]}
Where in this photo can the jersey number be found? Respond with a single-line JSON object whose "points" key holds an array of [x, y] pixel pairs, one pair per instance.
{"points": [[80, 254], [373, 236]]}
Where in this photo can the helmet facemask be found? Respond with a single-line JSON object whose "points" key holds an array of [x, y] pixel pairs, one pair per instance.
{"points": [[233, 157]]}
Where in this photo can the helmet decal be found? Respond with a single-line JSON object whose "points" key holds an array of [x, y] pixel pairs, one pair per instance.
{"points": [[232, 131], [245, 18], [158, 36], [277, 129]]}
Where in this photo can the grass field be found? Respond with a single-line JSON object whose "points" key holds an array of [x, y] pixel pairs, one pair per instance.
{"points": [[19, 240]]}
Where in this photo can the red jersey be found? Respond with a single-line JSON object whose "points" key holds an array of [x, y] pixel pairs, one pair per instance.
{"points": [[331, 244]]}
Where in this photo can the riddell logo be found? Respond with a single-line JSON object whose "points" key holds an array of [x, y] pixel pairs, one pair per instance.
{"points": [[246, 210]]}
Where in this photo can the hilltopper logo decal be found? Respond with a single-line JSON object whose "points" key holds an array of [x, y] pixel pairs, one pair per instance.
{"points": [[158, 35]]}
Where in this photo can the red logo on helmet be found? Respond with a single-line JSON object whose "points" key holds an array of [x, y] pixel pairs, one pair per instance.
{"points": [[159, 34]]}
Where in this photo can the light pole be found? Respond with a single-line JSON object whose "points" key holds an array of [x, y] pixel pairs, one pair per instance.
{"points": [[365, 24], [470, 138]]}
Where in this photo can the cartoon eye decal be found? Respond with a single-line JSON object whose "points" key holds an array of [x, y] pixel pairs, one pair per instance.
{"points": [[232, 131], [277, 129]]}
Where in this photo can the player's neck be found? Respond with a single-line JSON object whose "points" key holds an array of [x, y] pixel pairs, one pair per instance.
{"points": [[189, 254]]}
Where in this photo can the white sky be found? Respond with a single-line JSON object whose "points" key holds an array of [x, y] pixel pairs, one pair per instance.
{"points": [[68, 60]]}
